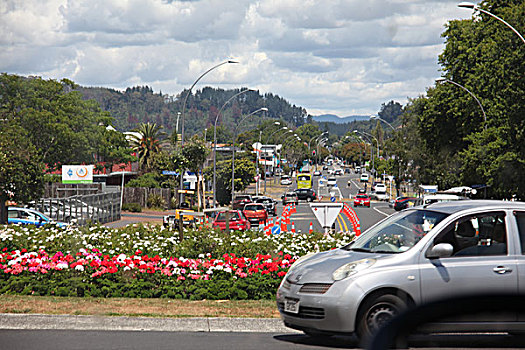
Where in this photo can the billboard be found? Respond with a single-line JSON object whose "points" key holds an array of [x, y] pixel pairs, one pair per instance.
{"points": [[77, 174]]}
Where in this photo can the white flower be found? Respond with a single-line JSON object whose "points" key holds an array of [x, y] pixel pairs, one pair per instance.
{"points": [[79, 268]]}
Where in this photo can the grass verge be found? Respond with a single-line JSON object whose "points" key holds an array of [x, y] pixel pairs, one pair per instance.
{"points": [[173, 308]]}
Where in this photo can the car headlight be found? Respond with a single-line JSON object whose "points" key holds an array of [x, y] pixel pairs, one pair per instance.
{"points": [[352, 268]]}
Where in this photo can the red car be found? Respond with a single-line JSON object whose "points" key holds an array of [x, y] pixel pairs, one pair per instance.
{"points": [[238, 221], [362, 199], [241, 200], [255, 213]]}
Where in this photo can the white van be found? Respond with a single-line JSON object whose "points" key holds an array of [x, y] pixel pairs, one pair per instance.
{"points": [[437, 197], [364, 178]]}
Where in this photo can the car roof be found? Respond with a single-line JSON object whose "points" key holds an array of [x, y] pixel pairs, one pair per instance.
{"points": [[459, 205]]}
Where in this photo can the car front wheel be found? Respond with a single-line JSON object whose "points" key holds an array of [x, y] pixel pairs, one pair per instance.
{"points": [[377, 312]]}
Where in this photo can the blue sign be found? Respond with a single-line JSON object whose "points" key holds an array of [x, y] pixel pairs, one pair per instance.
{"points": [[332, 199], [276, 229], [169, 172]]}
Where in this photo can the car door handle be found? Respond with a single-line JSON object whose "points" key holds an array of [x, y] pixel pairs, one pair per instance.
{"points": [[501, 270]]}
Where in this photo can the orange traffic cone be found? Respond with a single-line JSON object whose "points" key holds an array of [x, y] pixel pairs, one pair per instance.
{"points": [[311, 230]]}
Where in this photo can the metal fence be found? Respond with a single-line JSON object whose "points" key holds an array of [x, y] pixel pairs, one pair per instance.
{"points": [[82, 209]]}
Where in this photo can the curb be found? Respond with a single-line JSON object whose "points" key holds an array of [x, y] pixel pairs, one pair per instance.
{"points": [[108, 323]]}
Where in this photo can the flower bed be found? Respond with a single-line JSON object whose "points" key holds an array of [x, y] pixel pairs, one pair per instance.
{"points": [[149, 261]]}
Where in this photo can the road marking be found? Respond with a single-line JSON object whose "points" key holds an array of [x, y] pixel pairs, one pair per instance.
{"points": [[379, 211], [344, 222]]}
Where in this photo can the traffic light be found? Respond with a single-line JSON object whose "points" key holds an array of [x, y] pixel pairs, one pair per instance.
{"points": [[313, 152]]}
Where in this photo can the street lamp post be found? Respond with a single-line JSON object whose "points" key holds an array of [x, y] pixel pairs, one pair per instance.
{"points": [[233, 146], [215, 143], [445, 80], [184, 109], [377, 145], [268, 140], [376, 117], [472, 6]]}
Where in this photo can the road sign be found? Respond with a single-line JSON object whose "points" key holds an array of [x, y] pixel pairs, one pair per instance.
{"points": [[326, 213], [169, 172], [276, 229], [332, 199]]}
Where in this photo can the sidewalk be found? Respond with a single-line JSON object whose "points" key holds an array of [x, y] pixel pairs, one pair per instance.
{"points": [[106, 323]]}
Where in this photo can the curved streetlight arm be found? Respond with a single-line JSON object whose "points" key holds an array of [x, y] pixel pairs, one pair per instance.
{"points": [[215, 142], [472, 6], [189, 92], [374, 117], [315, 137], [263, 109], [445, 80]]}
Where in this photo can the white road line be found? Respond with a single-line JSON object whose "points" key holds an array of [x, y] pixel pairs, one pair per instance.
{"points": [[379, 211]]}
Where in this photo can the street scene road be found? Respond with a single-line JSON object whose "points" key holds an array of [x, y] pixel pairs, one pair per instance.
{"points": [[367, 216]]}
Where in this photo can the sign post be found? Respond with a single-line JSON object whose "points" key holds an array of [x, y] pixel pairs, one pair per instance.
{"points": [[326, 213]]}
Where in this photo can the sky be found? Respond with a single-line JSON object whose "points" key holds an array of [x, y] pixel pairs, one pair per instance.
{"points": [[343, 57]]}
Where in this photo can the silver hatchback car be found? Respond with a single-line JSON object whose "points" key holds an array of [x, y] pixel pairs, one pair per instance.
{"points": [[418, 255]]}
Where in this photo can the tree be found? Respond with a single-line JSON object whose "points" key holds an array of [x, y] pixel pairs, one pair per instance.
{"points": [[21, 168], [63, 128], [244, 175], [146, 144]]}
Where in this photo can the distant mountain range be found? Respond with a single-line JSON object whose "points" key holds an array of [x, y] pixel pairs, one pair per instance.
{"points": [[339, 120]]}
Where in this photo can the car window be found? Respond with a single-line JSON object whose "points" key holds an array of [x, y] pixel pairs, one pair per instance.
{"points": [[254, 207], [477, 235], [398, 233]]}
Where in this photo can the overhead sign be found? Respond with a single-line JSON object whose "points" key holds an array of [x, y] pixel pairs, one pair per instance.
{"points": [[326, 213], [77, 174]]}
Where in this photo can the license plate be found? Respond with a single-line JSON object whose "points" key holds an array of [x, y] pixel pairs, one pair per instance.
{"points": [[291, 306]]}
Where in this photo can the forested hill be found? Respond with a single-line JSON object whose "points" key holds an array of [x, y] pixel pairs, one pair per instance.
{"points": [[140, 105]]}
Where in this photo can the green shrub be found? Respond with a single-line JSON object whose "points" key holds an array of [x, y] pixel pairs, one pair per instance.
{"points": [[132, 207], [156, 201], [148, 180]]}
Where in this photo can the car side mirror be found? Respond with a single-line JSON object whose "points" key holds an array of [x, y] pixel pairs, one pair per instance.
{"points": [[440, 250]]}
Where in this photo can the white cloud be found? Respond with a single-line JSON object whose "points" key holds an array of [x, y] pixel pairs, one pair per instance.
{"points": [[341, 56]]}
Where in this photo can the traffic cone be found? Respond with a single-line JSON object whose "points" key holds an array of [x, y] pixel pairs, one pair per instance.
{"points": [[293, 227], [311, 230], [284, 226]]}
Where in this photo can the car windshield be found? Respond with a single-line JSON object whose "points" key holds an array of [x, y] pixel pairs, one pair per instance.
{"points": [[222, 216], [290, 195], [303, 177], [361, 196], [242, 198], [254, 207], [398, 233]]}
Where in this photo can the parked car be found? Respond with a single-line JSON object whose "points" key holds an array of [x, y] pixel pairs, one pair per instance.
{"points": [[268, 202], [338, 172], [401, 203], [241, 200], [364, 178], [357, 169], [420, 255], [286, 180], [26, 216], [307, 194], [325, 167], [317, 173], [362, 200], [332, 181], [237, 221], [255, 213], [290, 197]]}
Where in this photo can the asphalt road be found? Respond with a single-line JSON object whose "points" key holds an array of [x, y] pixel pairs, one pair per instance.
{"points": [[130, 340], [367, 216]]}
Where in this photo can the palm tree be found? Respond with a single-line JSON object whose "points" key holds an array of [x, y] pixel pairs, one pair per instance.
{"points": [[146, 143]]}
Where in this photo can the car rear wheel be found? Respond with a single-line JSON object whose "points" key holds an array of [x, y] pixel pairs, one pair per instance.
{"points": [[308, 199], [376, 312]]}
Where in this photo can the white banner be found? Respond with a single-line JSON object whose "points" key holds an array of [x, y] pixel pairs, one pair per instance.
{"points": [[77, 174]]}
